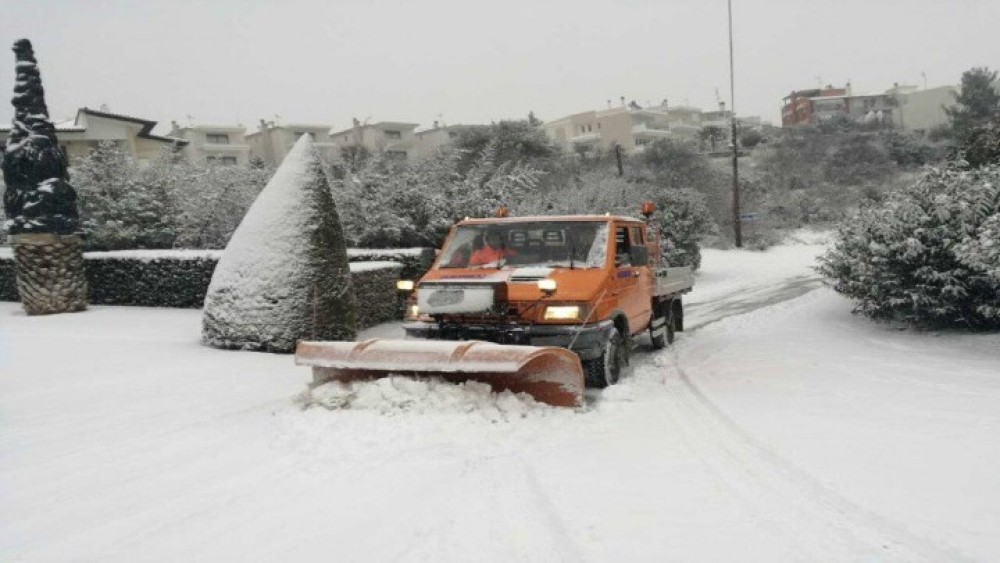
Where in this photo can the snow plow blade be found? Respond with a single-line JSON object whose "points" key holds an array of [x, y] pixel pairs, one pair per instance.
{"points": [[550, 375]]}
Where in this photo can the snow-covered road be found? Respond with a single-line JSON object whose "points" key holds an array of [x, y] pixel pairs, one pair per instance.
{"points": [[778, 428]]}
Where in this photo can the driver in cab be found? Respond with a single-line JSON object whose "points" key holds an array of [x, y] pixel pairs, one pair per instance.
{"points": [[492, 250]]}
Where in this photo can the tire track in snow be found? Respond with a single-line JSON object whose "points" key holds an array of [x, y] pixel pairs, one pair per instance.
{"points": [[820, 524], [524, 524], [748, 300]]}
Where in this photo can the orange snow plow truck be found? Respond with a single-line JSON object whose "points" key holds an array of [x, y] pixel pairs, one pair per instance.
{"points": [[540, 305]]}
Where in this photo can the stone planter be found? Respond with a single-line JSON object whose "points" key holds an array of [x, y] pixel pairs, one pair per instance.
{"points": [[50, 273]]}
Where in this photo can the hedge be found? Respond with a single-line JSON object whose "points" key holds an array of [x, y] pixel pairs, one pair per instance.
{"points": [[180, 278]]}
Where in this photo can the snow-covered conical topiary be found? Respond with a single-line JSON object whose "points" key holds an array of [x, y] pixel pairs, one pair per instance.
{"points": [[284, 275]]}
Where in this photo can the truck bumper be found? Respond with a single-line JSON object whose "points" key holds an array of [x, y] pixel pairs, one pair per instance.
{"points": [[587, 341]]}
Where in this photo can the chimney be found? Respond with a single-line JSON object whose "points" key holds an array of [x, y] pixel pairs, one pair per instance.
{"points": [[356, 122], [435, 125], [722, 106], [609, 104], [664, 104], [263, 124], [623, 101]]}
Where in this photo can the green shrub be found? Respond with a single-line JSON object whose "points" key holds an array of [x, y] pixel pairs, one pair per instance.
{"points": [[928, 254]]}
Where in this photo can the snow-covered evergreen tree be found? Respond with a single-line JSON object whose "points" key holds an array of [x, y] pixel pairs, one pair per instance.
{"points": [[284, 275], [928, 255], [166, 203], [39, 197], [388, 203], [39, 202]]}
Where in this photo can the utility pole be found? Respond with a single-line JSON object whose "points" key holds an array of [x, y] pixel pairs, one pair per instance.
{"points": [[737, 227]]}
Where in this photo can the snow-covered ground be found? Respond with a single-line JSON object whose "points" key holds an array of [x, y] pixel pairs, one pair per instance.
{"points": [[778, 428]]}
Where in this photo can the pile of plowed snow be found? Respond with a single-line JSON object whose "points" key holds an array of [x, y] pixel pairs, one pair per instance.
{"points": [[396, 395]]}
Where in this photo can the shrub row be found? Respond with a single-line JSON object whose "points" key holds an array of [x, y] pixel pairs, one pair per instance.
{"points": [[415, 261], [180, 278]]}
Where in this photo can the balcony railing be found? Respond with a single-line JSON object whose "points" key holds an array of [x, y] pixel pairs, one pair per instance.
{"points": [[585, 138], [645, 130]]}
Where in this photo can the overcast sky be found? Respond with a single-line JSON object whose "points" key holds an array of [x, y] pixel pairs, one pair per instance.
{"points": [[467, 61]]}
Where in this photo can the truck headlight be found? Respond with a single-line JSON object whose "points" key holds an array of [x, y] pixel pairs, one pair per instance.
{"points": [[562, 312], [413, 311], [404, 285]]}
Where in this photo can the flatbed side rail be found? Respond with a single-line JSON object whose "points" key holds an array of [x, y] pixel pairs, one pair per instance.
{"points": [[672, 281]]}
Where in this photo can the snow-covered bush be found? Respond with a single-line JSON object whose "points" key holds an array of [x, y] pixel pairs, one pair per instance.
{"points": [[389, 203], [928, 254], [683, 214], [166, 203], [123, 205], [284, 274], [982, 146]]}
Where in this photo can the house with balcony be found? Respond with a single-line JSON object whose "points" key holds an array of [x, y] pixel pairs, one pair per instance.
{"points": [[630, 127], [81, 135], [903, 106], [214, 144], [272, 141], [395, 138]]}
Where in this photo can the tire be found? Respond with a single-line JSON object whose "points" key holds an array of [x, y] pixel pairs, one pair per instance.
{"points": [[665, 311], [607, 370]]}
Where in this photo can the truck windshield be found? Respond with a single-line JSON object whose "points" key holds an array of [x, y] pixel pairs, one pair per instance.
{"points": [[568, 244]]}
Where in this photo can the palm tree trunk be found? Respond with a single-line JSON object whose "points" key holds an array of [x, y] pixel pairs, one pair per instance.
{"points": [[50, 273]]}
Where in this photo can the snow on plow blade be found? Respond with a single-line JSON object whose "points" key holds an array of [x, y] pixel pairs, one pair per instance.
{"points": [[550, 375]]}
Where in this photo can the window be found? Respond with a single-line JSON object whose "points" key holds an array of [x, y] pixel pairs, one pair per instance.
{"points": [[636, 236], [223, 160], [622, 247], [390, 134], [218, 138], [570, 244]]}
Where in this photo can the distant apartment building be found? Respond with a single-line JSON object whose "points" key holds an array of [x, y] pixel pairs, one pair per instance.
{"points": [[273, 140], [80, 136], [629, 127], [395, 138], [923, 110], [902, 106], [633, 128], [431, 140], [802, 106], [214, 144]]}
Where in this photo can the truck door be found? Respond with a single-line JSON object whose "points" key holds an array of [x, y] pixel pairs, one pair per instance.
{"points": [[627, 288]]}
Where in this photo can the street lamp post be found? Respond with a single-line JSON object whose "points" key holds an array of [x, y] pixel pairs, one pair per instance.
{"points": [[737, 226]]}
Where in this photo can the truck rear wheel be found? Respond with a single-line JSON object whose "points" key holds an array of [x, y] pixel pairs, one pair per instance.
{"points": [[663, 325], [607, 370]]}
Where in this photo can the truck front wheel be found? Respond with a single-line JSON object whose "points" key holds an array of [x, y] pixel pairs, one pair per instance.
{"points": [[607, 369]]}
